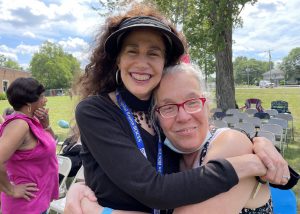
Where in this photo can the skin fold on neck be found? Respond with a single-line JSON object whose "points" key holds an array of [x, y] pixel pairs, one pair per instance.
{"points": [[188, 160]]}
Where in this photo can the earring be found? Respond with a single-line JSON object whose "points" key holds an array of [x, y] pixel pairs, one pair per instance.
{"points": [[117, 77], [29, 108]]}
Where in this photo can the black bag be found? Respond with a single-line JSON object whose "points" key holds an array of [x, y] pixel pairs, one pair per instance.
{"points": [[72, 151]]}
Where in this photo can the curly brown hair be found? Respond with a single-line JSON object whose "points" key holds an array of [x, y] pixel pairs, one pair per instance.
{"points": [[100, 73]]}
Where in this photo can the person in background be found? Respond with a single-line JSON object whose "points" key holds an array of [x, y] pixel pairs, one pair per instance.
{"points": [[28, 163], [7, 111], [124, 159], [71, 148]]}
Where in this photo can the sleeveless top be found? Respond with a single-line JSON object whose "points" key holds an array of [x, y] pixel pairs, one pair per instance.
{"points": [[38, 165], [266, 209]]}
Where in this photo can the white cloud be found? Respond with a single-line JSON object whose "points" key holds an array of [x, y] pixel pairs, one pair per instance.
{"points": [[73, 44], [268, 25], [27, 49], [48, 20], [29, 34], [8, 52]]}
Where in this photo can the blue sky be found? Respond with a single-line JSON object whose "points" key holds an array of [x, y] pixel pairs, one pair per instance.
{"points": [[26, 24]]}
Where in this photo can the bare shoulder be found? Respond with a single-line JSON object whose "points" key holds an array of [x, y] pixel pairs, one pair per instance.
{"points": [[18, 124], [229, 143]]}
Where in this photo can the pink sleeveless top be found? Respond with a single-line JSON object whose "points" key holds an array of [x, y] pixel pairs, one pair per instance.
{"points": [[38, 165]]}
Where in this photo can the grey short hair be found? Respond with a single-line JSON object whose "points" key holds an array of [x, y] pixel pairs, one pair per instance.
{"points": [[179, 68], [188, 68]]}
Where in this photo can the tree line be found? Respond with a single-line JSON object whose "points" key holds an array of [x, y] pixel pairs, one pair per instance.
{"points": [[207, 25]]}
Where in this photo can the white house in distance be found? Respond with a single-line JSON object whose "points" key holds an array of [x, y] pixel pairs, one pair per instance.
{"points": [[276, 75]]}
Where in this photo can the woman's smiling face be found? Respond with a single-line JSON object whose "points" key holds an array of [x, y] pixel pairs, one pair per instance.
{"points": [[141, 61], [186, 131]]}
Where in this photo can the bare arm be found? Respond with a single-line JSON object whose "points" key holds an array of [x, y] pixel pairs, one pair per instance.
{"points": [[88, 203], [89, 207], [228, 145], [12, 138]]}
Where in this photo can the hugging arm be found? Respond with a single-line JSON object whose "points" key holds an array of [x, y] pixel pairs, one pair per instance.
{"points": [[235, 146], [115, 153], [228, 144]]}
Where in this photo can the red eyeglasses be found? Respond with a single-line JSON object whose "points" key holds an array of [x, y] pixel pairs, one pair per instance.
{"points": [[190, 106]]}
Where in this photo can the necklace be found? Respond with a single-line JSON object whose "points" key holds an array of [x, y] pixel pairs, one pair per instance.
{"points": [[140, 115], [140, 108]]}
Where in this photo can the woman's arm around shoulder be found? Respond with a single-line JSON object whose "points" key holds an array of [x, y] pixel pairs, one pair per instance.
{"points": [[238, 150]]}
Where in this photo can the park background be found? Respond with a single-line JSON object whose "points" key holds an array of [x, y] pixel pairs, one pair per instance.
{"points": [[62, 108], [265, 38]]}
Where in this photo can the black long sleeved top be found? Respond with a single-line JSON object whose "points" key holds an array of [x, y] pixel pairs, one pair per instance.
{"points": [[122, 178]]}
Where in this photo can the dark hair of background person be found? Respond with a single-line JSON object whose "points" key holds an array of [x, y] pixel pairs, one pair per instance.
{"points": [[100, 73], [23, 91]]}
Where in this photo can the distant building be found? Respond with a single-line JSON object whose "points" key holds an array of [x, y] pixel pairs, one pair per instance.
{"points": [[8, 75], [276, 75]]}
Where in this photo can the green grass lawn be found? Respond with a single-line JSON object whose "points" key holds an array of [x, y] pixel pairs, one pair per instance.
{"points": [[62, 107], [292, 96]]}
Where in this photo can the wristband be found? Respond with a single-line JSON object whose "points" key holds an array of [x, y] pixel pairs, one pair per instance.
{"points": [[107, 210]]}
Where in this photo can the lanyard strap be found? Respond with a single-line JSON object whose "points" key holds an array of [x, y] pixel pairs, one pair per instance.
{"points": [[139, 141]]}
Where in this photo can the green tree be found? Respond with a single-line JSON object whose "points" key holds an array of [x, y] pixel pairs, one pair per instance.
{"points": [[291, 65], [249, 71], [53, 67], [9, 63], [208, 26]]}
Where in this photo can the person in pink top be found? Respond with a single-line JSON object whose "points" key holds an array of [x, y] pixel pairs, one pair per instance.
{"points": [[28, 163]]}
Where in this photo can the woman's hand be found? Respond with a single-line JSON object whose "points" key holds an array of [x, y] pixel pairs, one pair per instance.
{"points": [[277, 167], [90, 207], [24, 191], [74, 196], [42, 115]]}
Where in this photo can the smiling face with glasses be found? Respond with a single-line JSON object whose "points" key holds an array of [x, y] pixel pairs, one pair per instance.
{"points": [[191, 106], [181, 110]]}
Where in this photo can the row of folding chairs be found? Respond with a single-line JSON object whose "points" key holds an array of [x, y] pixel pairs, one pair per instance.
{"points": [[64, 168], [276, 126], [269, 116]]}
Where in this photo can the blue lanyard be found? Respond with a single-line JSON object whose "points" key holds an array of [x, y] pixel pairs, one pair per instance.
{"points": [[139, 141]]}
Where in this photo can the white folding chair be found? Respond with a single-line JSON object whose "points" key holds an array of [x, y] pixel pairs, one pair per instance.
{"points": [[283, 123], [254, 120], [278, 132], [231, 120], [232, 111], [289, 118], [268, 135], [219, 123], [58, 206], [249, 128], [64, 168], [271, 112], [242, 116], [251, 111]]}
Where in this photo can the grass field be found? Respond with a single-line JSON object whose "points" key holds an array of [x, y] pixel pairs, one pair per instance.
{"points": [[292, 96], [62, 107]]}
